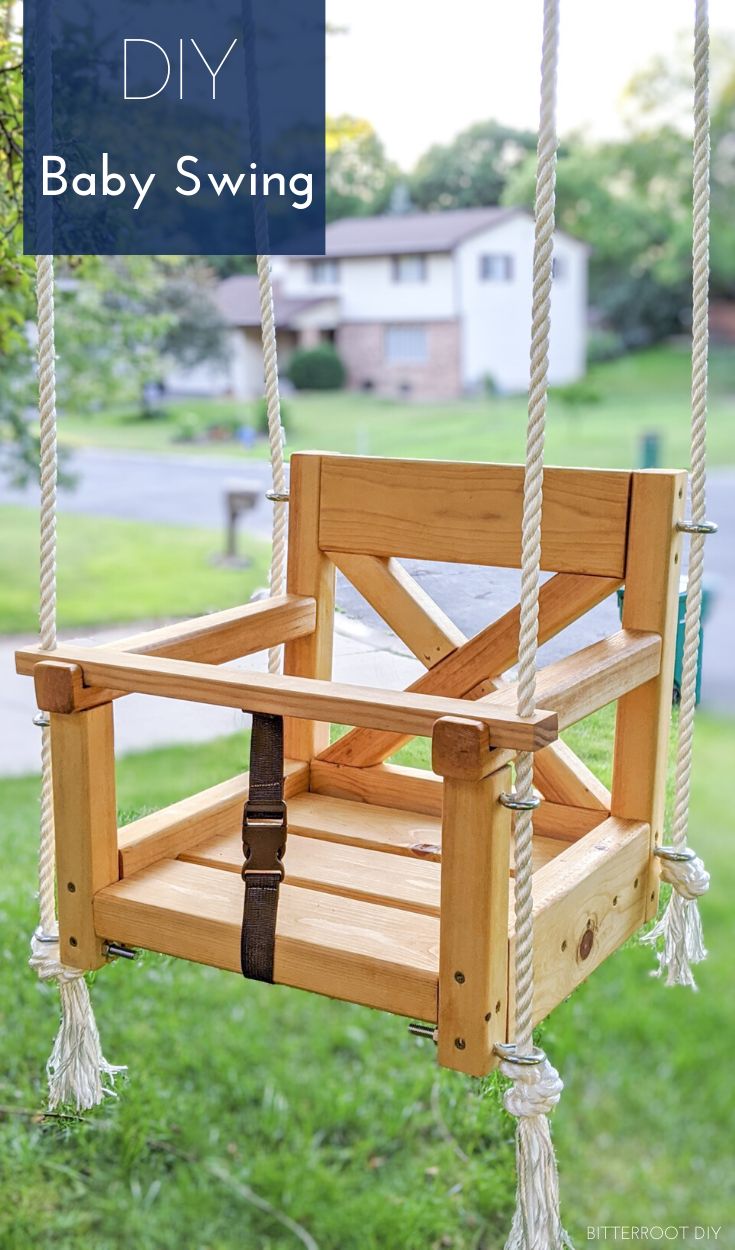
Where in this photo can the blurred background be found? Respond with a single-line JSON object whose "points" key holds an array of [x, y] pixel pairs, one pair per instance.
{"points": [[272, 1119]]}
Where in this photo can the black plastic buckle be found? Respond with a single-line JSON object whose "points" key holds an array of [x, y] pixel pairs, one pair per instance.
{"points": [[264, 829]]}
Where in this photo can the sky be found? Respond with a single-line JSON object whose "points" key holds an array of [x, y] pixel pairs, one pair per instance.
{"points": [[420, 70]]}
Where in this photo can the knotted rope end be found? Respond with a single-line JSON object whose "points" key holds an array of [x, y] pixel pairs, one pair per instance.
{"points": [[677, 937], [76, 1067], [535, 1092]]}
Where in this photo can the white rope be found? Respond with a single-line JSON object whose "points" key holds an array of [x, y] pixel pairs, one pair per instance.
{"points": [[679, 929], [77, 1065], [536, 1089], [277, 582]]}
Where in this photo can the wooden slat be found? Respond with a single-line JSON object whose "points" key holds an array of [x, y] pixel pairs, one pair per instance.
{"points": [[324, 863], [167, 833], [586, 903], [591, 678], [223, 636], [473, 958], [301, 697], [339, 868], [363, 824], [211, 639], [378, 956], [558, 820], [418, 790], [322, 822], [403, 604], [471, 513], [311, 573], [391, 785], [651, 593], [85, 821], [562, 599]]}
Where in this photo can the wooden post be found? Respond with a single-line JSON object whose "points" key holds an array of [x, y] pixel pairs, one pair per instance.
{"points": [[85, 819], [653, 568], [473, 943], [308, 566]]}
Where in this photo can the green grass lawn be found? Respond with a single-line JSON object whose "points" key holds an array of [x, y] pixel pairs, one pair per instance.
{"points": [[248, 1106], [647, 391], [113, 571]]}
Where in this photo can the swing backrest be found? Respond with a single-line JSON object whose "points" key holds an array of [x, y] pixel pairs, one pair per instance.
{"points": [[471, 513], [602, 527]]}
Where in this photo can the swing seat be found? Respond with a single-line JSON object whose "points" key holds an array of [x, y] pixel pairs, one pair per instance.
{"points": [[398, 885]]}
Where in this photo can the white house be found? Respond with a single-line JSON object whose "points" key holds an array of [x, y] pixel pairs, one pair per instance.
{"points": [[424, 305]]}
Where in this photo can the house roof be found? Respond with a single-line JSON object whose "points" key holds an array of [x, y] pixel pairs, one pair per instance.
{"points": [[411, 232], [238, 301]]}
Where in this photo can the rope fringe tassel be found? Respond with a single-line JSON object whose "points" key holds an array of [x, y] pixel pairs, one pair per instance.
{"points": [[76, 1065], [535, 1092], [678, 933]]}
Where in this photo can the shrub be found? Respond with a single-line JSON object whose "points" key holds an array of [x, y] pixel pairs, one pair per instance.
{"points": [[603, 345], [317, 369], [187, 428], [577, 394]]}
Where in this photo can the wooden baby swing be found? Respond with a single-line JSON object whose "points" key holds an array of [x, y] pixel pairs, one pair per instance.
{"points": [[397, 882]]}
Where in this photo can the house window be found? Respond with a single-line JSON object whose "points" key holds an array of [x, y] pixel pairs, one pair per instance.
{"points": [[559, 267], [324, 272], [496, 267], [409, 268], [406, 345]]}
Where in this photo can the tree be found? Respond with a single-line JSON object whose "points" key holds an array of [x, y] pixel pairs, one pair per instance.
{"points": [[472, 170], [660, 96], [125, 320], [629, 201], [360, 177]]}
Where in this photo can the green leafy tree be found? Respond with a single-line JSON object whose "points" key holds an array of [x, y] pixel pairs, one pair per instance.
{"points": [[125, 320], [360, 177], [630, 201], [472, 170]]}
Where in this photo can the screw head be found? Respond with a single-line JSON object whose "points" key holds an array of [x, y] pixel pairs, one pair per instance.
{"points": [[460, 1043], [459, 978], [73, 941]]}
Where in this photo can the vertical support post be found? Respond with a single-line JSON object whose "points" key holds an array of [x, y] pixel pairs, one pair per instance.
{"points": [[85, 819], [652, 571], [473, 935], [310, 573]]}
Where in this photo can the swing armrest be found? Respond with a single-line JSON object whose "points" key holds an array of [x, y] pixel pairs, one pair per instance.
{"points": [[300, 697], [211, 639]]}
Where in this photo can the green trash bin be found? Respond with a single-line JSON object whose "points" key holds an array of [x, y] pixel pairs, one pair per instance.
{"points": [[707, 595]]}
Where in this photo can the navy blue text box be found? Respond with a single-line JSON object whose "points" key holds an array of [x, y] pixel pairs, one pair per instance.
{"points": [[182, 127]]}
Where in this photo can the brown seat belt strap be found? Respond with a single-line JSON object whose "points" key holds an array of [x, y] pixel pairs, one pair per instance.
{"points": [[264, 828]]}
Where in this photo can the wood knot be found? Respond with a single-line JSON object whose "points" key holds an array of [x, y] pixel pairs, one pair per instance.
{"points": [[586, 942]]}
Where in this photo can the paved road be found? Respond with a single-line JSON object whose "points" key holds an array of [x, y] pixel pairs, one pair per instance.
{"points": [[177, 490], [187, 490]]}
